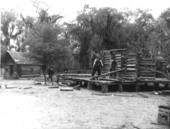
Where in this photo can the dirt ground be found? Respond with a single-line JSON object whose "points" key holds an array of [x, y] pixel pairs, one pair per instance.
{"points": [[28, 106]]}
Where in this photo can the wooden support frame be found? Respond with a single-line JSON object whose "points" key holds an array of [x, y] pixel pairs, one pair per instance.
{"points": [[80, 82], [85, 83], [120, 83], [166, 86], [137, 88], [90, 86], [120, 88], [104, 88], [156, 86]]}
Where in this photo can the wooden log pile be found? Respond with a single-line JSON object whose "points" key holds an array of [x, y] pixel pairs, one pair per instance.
{"points": [[130, 64], [106, 62], [164, 115], [146, 68], [137, 66]]}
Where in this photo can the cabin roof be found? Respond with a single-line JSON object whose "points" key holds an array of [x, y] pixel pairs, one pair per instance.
{"points": [[22, 58]]}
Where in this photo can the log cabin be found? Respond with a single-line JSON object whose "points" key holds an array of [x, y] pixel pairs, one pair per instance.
{"points": [[18, 65]]}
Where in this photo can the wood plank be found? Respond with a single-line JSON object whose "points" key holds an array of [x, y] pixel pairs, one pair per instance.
{"points": [[147, 64], [131, 65], [147, 59], [66, 89], [131, 69]]}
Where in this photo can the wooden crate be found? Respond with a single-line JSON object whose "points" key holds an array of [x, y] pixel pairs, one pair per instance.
{"points": [[164, 115]]}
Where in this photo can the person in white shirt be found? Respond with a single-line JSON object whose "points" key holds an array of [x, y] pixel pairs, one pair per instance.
{"points": [[97, 65]]}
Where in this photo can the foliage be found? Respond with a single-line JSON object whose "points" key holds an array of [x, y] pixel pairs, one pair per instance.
{"points": [[44, 43], [107, 28], [93, 30], [8, 27]]}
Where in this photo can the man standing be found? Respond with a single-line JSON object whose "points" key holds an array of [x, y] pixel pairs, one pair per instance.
{"points": [[50, 74], [113, 65], [97, 65]]}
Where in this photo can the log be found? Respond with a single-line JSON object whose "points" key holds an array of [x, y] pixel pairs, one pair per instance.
{"points": [[62, 85], [159, 124], [121, 95], [136, 127], [53, 87], [109, 73], [66, 89], [102, 94], [76, 87], [143, 95], [11, 87], [27, 88], [37, 83], [131, 65], [131, 69], [158, 72]]}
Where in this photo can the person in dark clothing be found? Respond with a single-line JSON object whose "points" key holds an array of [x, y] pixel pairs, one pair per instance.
{"points": [[123, 62], [113, 66], [50, 74], [97, 65]]}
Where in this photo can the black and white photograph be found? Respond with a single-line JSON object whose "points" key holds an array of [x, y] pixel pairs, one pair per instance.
{"points": [[85, 64]]}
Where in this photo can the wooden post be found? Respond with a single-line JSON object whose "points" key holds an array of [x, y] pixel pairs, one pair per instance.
{"points": [[90, 86], [85, 83], [146, 84], [137, 87], [80, 82], [104, 88], [77, 82], [157, 86], [120, 88], [166, 86]]}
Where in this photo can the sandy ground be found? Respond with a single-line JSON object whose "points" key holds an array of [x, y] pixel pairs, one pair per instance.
{"points": [[41, 107]]}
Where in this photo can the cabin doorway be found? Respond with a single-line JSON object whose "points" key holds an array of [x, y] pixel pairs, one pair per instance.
{"points": [[11, 70]]}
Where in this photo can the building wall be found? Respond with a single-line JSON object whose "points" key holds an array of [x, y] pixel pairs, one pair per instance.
{"points": [[30, 70], [21, 71], [6, 72]]}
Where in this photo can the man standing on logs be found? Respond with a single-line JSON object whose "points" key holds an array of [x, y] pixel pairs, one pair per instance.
{"points": [[97, 66], [113, 66]]}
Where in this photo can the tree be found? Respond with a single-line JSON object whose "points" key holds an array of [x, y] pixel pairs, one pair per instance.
{"points": [[162, 34], [137, 29], [9, 27], [96, 30], [46, 43]]}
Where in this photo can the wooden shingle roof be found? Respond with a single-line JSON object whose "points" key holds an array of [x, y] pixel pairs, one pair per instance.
{"points": [[22, 58]]}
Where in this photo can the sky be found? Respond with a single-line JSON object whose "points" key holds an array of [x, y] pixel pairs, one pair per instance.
{"points": [[69, 8]]}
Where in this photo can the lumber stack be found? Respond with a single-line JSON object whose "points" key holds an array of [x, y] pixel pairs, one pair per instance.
{"points": [[161, 66], [118, 58], [146, 68], [119, 55], [131, 67], [164, 115], [137, 66], [106, 61]]}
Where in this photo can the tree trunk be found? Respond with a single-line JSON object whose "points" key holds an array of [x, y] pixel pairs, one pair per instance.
{"points": [[44, 73], [43, 67]]}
